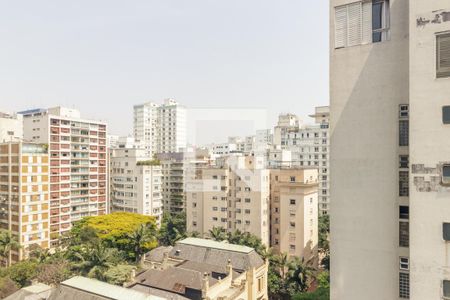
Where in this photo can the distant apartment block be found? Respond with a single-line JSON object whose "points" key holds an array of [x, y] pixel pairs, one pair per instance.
{"points": [[78, 164], [162, 127], [309, 146], [24, 195], [233, 195], [135, 182], [294, 212], [203, 269], [10, 127], [390, 163], [177, 168]]}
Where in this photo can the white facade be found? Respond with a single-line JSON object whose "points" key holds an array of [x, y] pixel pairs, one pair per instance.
{"points": [[162, 127], [11, 127], [135, 181], [309, 147]]}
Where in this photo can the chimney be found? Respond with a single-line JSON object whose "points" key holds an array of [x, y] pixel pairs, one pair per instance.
{"points": [[229, 267], [205, 285]]}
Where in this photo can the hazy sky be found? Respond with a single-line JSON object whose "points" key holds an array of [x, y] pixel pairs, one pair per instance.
{"points": [[104, 56]]}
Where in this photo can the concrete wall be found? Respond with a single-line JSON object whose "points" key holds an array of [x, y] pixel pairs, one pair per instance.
{"points": [[368, 83]]}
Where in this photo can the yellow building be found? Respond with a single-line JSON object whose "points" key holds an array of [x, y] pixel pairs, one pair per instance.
{"points": [[24, 194]]}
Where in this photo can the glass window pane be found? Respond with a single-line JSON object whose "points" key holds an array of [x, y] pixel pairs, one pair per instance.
{"points": [[377, 16], [376, 37], [446, 114], [446, 171], [446, 288]]}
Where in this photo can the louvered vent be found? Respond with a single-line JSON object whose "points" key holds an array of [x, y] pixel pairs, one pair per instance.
{"points": [[443, 55]]}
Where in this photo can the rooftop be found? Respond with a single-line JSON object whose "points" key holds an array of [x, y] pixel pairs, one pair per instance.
{"points": [[215, 245]]}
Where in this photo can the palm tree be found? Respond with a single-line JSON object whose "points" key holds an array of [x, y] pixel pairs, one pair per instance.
{"points": [[143, 238], [96, 259], [218, 233], [300, 272], [8, 242], [281, 263]]}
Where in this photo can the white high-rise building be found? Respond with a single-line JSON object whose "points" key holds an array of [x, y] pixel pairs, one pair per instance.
{"points": [[162, 127], [135, 181], [11, 127], [309, 147], [390, 149]]}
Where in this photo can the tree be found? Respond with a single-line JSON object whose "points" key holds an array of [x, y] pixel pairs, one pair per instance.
{"points": [[218, 233], [143, 239], [116, 230], [8, 242], [322, 292], [54, 273], [173, 228], [119, 274], [324, 244], [22, 272], [95, 260]]}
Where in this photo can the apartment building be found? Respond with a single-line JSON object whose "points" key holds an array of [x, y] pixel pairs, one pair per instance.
{"points": [[162, 127], [24, 195], [309, 146], [390, 83], [177, 169], [78, 164], [135, 182], [233, 195], [10, 127], [203, 269], [294, 212]]}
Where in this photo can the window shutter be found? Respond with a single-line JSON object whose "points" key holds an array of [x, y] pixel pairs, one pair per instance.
{"points": [[443, 55], [354, 24], [367, 23], [340, 27]]}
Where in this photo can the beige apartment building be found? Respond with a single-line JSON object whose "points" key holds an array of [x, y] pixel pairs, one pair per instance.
{"points": [[390, 118], [233, 195], [24, 194], [78, 164], [294, 212], [135, 183]]}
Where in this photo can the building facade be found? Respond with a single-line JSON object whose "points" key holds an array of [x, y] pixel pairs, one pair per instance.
{"points": [[162, 127], [78, 164], [203, 269], [24, 195], [135, 183], [310, 147], [233, 195], [294, 212], [10, 127], [390, 81]]}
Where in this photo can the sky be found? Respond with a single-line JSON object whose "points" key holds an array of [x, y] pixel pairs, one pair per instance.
{"points": [[104, 56]]}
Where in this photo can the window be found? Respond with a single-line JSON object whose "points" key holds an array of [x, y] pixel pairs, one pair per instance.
{"points": [[292, 224], [403, 132], [260, 284], [403, 184], [247, 200], [404, 162], [446, 231], [404, 234], [215, 208], [446, 114], [403, 212], [404, 263], [443, 55], [361, 23], [446, 174], [292, 201], [380, 20], [247, 211], [404, 111], [292, 178], [403, 287], [446, 289]]}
